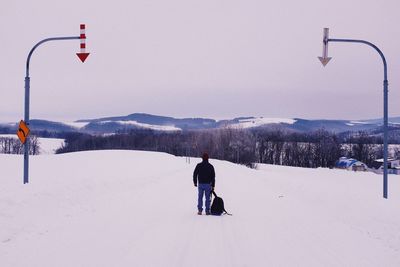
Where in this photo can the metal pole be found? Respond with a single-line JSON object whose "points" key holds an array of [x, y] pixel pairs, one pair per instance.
{"points": [[385, 138], [27, 99], [26, 118], [385, 109]]}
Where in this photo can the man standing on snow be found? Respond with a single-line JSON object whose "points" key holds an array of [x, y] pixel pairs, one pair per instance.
{"points": [[204, 173]]}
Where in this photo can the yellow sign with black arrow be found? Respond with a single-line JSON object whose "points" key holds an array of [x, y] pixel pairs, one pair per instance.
{"points": [[23, 131]]}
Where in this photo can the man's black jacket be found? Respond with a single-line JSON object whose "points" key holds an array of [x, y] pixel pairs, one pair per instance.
{"points": [[204, 173]]}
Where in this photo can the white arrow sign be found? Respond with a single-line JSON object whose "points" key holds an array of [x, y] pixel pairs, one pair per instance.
{"points": [[325, 59]]}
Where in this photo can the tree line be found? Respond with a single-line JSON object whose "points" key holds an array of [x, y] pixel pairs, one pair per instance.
{"points": [[315, 149], [9, 145]]}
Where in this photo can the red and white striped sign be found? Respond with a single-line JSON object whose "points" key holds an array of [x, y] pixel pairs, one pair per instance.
{"points": [[83, 55]]}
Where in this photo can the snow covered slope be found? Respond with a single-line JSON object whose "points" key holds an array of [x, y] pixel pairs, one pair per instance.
{"points": [[131, 208], [260, 121]]}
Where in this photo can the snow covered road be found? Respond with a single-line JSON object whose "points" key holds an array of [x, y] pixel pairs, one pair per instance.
{"points": [[132, 208]]}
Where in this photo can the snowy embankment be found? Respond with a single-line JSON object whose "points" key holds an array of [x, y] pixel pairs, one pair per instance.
{"points": [[131, 208]]}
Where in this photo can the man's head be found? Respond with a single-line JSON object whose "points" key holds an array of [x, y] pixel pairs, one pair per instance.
{"points": [[205, 156]]}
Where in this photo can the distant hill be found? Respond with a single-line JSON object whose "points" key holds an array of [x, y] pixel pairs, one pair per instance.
{"points": [[109, 125], [142, 120]]}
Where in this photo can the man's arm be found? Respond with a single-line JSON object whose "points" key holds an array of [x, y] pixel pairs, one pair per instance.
{"points": [[195, 173], [213, 176]]}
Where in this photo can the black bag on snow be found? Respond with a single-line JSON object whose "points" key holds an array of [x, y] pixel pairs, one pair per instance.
{"points": [[217, 206]]}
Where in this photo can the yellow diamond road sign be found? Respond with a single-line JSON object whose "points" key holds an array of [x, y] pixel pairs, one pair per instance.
{"points": [[23, 131]]}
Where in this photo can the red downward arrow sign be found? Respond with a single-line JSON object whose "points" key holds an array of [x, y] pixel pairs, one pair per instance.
{"points": [[82, 56]]}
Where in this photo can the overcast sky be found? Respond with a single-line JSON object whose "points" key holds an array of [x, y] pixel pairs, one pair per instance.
{"points": [[208, 58]]}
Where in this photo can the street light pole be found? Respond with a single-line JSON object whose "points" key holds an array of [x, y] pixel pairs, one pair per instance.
{"points": [[27, 97], [82, 56], [324, 60]]}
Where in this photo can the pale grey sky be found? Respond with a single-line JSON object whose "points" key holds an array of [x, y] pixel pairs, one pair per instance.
{"points": [[209, 58]]}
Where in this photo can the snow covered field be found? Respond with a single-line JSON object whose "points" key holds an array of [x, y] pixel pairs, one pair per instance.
{"points": [[132, 208]]}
